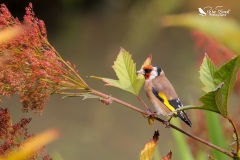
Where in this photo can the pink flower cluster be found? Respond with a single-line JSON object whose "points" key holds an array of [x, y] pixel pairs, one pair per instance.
{"points": [[29, 65], [10, 135], [32, 68]]}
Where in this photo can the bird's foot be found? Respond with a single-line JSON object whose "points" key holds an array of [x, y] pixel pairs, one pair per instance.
{"points": [[150, 116], [167, 123], [150, 113]]}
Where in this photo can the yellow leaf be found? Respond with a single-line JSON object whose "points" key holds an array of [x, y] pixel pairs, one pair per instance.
{"points": [[168, 156], [9, 33], [147, 152], [150, 121], [148, 61], [28, 148]]}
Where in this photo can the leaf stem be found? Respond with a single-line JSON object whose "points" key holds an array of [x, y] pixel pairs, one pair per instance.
{"points": [[235, 131]]}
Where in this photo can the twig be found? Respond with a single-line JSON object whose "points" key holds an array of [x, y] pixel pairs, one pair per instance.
{"points": [[163, 121], [143, 102], [195, 137], [117, 100]]}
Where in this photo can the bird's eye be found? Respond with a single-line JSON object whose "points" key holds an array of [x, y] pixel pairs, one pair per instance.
{"points": [[148, 70]]}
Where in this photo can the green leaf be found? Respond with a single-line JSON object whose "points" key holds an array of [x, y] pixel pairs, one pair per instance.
{"points": [[88, 96], [209, 102], [125, 70], [223, 80], [207, 71], [227, 74]]}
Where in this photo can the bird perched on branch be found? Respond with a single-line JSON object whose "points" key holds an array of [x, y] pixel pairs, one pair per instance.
{"points": [[161, 93]]}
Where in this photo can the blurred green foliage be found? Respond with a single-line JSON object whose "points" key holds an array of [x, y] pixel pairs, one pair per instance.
{"points": [[181, 143], [225, 30]]}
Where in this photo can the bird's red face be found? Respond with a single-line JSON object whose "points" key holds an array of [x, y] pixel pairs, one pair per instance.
{"points": [[150, 72], [146, 71]]}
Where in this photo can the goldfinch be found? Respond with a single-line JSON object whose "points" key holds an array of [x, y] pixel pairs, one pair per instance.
{"points": [[161, 93]]}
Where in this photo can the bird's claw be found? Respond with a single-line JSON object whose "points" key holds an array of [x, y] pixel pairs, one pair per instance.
{"points": [[167, 123], [150, 113]]}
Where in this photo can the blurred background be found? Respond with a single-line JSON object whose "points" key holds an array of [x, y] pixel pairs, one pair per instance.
{"points": [[89, 33]]}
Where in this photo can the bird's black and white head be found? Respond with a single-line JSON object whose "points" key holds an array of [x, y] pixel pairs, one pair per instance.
{"points": [[150, 72]]}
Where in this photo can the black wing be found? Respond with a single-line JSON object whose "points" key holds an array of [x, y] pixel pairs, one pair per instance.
{"points": [[176, 103]]}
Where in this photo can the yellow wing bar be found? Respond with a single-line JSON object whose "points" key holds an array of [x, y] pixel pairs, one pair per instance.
{"points": [[165, 101]]}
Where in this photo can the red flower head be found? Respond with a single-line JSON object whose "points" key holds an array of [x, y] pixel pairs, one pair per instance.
{"points": [[30, 66]]}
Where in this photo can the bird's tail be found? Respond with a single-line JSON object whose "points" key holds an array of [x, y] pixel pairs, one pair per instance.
{"points": [[184, 117]]}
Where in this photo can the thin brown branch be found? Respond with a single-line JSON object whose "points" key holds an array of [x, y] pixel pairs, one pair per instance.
{"points": [[145, 105], [195, 137], [100, 94]]}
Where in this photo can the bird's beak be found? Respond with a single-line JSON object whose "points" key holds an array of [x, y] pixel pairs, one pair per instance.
{"points": [[141, 71]]}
